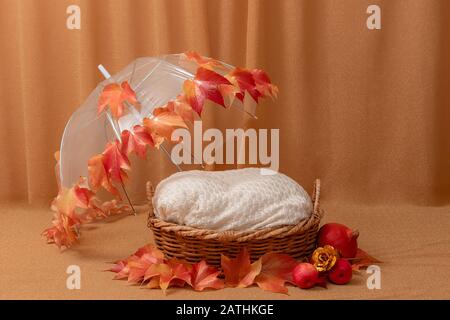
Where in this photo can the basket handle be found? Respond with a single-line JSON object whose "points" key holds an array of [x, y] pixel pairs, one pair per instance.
{"points": [[316, 195]]}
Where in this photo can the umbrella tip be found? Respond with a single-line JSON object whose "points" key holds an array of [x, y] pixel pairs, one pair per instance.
{"points": [[104, 72]]}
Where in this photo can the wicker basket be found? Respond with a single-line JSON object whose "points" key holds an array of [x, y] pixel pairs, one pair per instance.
{"points": [[193, 244]]}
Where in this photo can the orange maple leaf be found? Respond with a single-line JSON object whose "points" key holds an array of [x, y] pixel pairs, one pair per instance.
{"points": [[136, 269], [68, 199], [181, 107], [204, 276], [116, 96], [275, 272], [136, 141], [65, 231], [239, 272], [115, 162], [83, 196], [205, 62], [204, 86], [167, 273], [105, 209], [98, 177], [229, 93], [163, 122], [149, 249], [122, 270], [135, 266], [153, 283], [118, 268], [263, 84], [73, 207], [139, 266]]}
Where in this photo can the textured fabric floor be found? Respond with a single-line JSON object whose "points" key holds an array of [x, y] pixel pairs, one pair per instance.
{"points": [[413, 242]]}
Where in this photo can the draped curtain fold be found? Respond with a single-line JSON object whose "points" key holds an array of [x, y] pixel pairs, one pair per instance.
{"points": [[367, 111]]}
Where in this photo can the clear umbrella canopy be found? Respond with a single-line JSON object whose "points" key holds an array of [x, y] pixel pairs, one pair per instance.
{"points": [[156, 80]]}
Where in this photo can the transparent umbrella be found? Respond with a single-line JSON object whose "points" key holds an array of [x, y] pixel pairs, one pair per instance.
{"points": [[150, 98]]}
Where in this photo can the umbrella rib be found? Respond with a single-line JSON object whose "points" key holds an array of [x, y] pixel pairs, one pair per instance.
{"points": [[167, 153], [132, 73], [113, 124]]}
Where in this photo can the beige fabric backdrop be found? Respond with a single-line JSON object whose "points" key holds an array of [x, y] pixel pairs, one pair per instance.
{"points": [[367, 111]]}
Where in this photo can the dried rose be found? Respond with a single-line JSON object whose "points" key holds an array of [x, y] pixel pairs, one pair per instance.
{"points": [[324, 258]]}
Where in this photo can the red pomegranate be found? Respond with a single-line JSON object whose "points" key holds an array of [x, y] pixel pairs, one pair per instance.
{"points": [[340, 237], [341, 273], [306, 276]]}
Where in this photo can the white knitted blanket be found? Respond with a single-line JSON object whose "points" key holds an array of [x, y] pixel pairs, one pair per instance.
{"points": [[241, 199]]}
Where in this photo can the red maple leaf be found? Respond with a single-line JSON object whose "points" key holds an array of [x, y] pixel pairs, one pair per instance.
{"points": [[263, 84], [136, 141], [204, 86], [115, 162], [244, 79]]}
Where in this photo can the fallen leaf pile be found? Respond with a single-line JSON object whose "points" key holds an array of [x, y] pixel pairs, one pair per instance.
{"points": [[148, 267], [76, 206], [109, 170]]}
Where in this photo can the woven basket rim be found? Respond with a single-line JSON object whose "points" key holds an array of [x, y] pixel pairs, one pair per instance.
{"points": [[233, 235]]}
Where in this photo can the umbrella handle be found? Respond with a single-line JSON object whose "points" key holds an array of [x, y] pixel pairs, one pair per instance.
{"points": [[104, 72]]}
